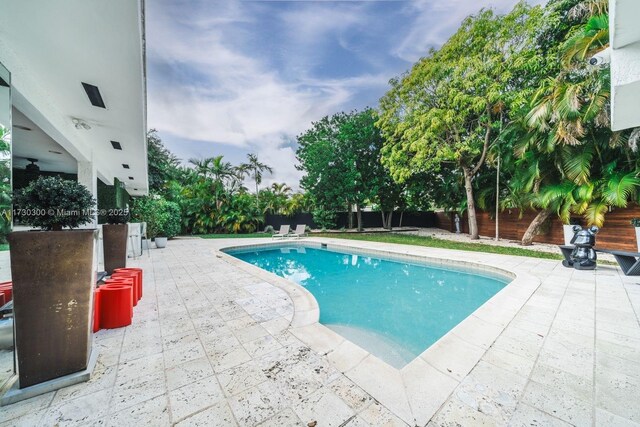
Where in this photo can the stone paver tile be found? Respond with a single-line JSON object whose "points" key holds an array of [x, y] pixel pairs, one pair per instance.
{"points": [[528, 416], [78, 411], [558, 403], [257, 404], [324, 407], [129, 393], [218, 415], [607, 419], [228, 358], [34, 405], [384, 384], [148, 365], [103, 377], [241, 377], [346, 356], [350, 393], [153, 412], [286, 418], [194, 397], [457, 412], [618, 393], [262, 345], [188, 372], [376, 415], [453, 356], [427, 389], [509, 361], [578, 386]]}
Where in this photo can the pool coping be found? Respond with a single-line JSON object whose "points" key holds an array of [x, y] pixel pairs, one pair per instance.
{"points": [[415, 392]]}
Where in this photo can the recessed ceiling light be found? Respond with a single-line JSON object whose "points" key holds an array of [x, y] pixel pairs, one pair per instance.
{"points": [[131, 178], [94, 95], [126, 166], [116, 145], [135, 189], [55, 152], [22, 127]]}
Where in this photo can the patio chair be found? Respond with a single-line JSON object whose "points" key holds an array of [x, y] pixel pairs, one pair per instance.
{"points": [[284, 231], [299, 231]]}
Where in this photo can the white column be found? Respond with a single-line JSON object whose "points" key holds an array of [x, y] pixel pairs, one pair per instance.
{"points": [[88, 176]]}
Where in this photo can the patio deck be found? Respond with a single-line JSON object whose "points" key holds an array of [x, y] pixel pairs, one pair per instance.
{"points": [[212, 344]]}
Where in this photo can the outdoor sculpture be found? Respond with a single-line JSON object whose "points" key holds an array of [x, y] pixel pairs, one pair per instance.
{"points": [[583, 256], [457, 222]]}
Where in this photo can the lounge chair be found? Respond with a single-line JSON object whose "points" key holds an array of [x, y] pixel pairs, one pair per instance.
{"points": [[300, 231], [284, 231]]}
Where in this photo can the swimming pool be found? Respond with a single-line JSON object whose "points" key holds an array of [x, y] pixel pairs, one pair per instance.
{"points": [[393, 309]]}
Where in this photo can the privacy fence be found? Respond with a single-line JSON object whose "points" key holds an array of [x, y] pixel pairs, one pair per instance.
{"points": [[617, 233], [369, 220]]}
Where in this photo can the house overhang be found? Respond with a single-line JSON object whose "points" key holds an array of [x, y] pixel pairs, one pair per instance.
{"points": [[52, 49]]}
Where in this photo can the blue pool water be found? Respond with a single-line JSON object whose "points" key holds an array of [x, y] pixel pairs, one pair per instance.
{"points": [[394, 310]]}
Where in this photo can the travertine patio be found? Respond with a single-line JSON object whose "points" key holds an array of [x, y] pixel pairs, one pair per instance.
{"points": [[212, 344]]}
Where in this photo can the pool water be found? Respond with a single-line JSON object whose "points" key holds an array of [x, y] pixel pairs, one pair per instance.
{"points": [[394, 310]]}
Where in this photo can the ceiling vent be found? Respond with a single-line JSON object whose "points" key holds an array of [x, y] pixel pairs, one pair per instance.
{"points": [[126, 166], [116, 145], [94, 95]]}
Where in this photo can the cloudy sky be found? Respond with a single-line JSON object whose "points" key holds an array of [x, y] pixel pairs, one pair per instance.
{"points": [[230, 77]]}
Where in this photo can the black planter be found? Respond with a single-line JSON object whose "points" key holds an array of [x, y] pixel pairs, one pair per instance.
{"points": [[53, 277], [114, 243]]}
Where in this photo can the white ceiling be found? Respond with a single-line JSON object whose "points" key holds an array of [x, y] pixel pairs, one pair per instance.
{"points": [[51, 47], [35, 143]]}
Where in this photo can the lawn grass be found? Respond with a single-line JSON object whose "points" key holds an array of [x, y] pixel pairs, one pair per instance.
{"points": [[234, 236], [433, 242], [4, 247]]}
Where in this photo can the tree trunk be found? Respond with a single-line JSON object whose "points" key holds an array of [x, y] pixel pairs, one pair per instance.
{"points": [[359, 217], [535, 226], [389, 223], [401, 215], [471, 206], [384, 219]]}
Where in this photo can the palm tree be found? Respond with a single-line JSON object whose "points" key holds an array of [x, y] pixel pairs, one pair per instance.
{"points": [[254, 169], [219, 171]]}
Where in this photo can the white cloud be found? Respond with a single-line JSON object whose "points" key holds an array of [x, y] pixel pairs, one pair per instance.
{"points": [[436, 21]]}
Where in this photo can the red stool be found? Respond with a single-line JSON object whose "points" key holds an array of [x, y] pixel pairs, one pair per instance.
{"points": [[128, 281], [134, 270], [115, 306], [96, 310], [7, 289], [135, 275], [2, 299]]}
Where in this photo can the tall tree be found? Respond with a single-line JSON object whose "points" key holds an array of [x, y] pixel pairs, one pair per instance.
{"points": [[162, 164], [255, 169], [340, 156], [450, 106]]}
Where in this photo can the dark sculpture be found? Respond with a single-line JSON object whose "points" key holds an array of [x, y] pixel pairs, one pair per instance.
{"points": [[583, 256]]}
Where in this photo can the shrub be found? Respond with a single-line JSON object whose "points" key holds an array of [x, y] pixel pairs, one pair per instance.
{"points": [[52, 203], [118, 216], [635, 222], [163, 218], [324, 218]]}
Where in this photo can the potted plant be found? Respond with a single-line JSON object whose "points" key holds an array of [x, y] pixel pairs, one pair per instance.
{"points": [[636, 223], [114, 239], [53, 273], [163, 218]]}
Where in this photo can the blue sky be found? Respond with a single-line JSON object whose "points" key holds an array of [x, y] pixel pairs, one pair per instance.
{"points": [[230, 77]]}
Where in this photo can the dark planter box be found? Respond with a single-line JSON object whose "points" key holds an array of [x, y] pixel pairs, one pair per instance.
{"points": [[53, 277], [114, 243]]}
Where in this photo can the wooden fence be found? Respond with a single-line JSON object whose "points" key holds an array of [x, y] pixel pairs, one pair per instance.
{"points": [[617, 232]]}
